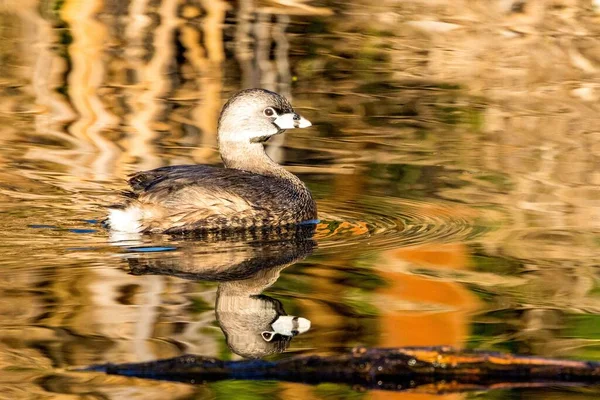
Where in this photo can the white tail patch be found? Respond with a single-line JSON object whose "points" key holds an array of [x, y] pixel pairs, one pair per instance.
{"points": [[128, 220]]}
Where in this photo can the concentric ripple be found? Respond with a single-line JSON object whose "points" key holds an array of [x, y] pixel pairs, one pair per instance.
{"points": [[392, 223]]}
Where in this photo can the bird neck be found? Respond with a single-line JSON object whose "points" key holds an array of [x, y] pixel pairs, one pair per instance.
{"points": [[251, 157]]}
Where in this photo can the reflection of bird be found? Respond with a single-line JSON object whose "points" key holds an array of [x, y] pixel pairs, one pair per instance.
{"points": [[254, 325], [253, 191]]}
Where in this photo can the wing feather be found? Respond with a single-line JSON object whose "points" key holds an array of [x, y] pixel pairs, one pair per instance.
{"points": [[202, 197]]}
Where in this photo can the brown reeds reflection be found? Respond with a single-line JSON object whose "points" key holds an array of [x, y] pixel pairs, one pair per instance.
{"points": [[124, 87]]}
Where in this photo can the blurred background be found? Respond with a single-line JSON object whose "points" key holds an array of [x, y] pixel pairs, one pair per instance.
{"points": [[454, 157]]}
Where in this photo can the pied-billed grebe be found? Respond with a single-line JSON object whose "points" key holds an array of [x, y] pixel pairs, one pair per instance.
{"points": [[251, 192]]}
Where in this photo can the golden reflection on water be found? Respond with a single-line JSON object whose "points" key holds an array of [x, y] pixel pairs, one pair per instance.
{"points": [[454, 155]]}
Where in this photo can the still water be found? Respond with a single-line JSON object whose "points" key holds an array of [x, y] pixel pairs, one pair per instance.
{"points": [[454, 158]]}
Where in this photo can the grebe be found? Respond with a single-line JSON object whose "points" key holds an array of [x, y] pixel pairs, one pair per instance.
{"points": [[252, 191]]}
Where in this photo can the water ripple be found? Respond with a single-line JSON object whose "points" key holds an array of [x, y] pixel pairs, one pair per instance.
{"points": [[391, 223]]}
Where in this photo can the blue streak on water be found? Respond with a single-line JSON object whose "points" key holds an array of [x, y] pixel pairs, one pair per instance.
{"points": [[82, 231], [310, 222]]}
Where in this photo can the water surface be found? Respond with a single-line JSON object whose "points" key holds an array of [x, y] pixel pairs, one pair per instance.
{"points": [[454, 158]]}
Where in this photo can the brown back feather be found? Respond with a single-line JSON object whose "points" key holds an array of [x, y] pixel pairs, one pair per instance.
{"points": [[199, 197]]}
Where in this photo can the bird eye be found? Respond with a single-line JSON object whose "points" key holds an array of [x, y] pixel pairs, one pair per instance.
{"points": [[269, 111]]}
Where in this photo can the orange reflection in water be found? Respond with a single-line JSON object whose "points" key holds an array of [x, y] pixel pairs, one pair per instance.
{"points": [[450, 302]]}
